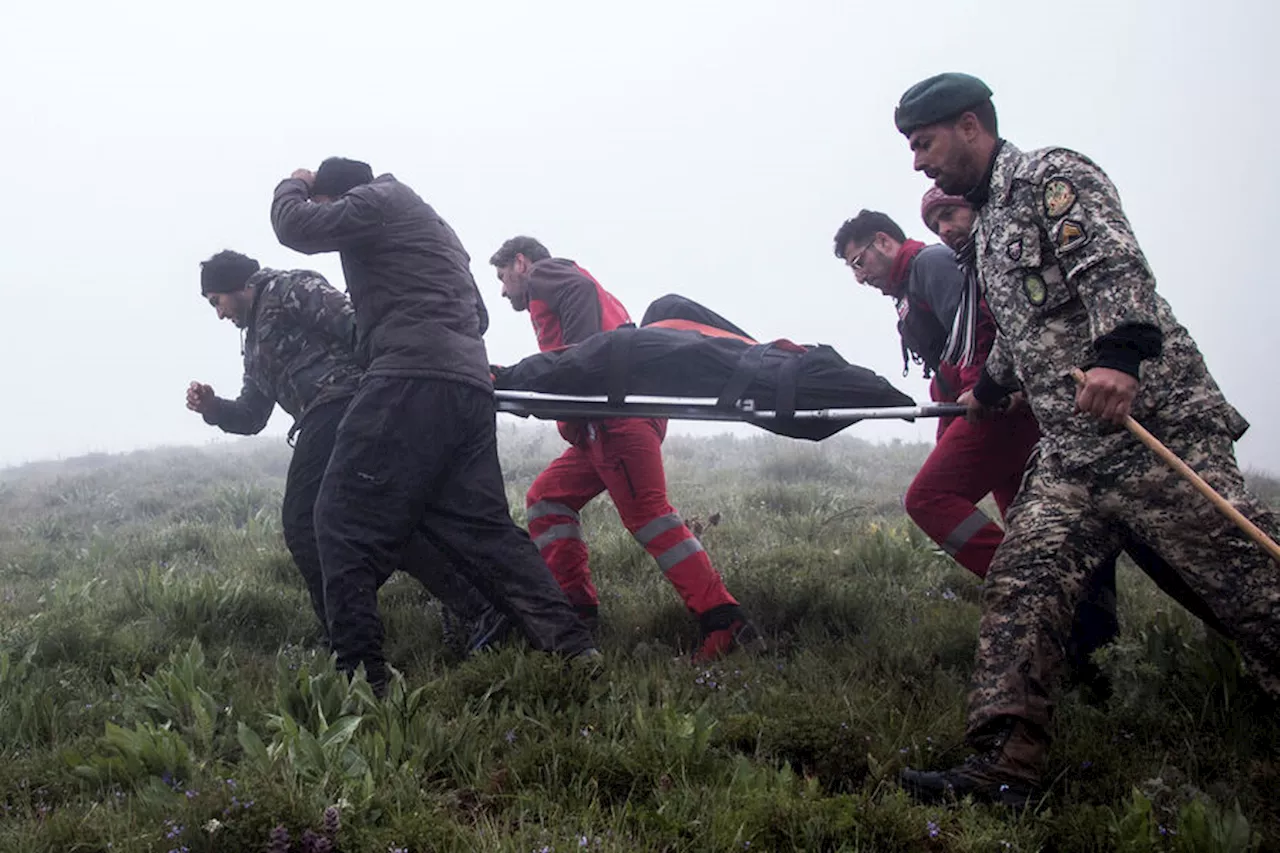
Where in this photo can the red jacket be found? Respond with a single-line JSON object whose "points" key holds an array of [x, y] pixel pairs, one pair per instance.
{"points": [[929, 283], [567, 306]]}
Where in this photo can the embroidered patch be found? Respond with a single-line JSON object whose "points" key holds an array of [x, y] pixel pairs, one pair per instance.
{"points": [[1059, 195], [1015, 250], [1034, 287], [1071, 235]]}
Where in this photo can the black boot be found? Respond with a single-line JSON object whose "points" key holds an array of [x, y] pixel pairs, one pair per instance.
{"points": [[1006, 772]]}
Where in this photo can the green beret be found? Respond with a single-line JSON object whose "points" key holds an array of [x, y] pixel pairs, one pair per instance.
{"points": [[939, 98]]}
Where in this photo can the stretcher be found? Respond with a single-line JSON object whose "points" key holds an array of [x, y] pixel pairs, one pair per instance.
{"points": [[568, 407], [686, 362]]}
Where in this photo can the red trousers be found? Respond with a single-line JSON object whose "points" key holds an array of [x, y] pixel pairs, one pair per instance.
{"points": [[623, 457], [970, 461]]}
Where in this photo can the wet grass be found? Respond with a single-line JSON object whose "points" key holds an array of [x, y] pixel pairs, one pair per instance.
{"points": [[160, 688]]}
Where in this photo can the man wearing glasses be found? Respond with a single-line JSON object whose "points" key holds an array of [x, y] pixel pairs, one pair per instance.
{"points": [[946, 327], [934, 319]]}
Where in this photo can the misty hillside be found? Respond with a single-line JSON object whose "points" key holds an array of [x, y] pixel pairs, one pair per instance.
{"points": [[161, 689]]}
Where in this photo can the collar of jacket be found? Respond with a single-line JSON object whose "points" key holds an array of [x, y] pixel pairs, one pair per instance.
{"points": [[980, 194], [258, 283], [901, 270]]}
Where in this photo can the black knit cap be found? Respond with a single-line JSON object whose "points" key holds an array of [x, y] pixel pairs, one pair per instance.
{"points": [[226, 272], [941, 97], [338, 174]]}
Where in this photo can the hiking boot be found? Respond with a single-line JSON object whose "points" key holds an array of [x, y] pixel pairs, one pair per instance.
{"points": [[724, 629], [1007, 772]]}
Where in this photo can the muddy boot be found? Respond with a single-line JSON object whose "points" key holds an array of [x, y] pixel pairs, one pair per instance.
{"points": [[1006, 772]]}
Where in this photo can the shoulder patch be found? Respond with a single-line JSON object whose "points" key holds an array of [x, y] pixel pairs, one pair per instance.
{"points": [[1036, 292], [1059, 196], [1071, 235]]}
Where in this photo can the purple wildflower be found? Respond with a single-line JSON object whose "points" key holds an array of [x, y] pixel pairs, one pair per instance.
{"points": [[315, 843], [511, 735], [933, 829], [332, 820], [279, 840]]}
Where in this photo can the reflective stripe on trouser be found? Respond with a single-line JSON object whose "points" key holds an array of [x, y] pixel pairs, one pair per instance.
{"points": [[557, 531], [684, 562], [969, 461], [624, 458]]}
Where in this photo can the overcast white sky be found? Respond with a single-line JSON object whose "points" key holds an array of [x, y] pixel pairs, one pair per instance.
{"points": [[706, 148]]}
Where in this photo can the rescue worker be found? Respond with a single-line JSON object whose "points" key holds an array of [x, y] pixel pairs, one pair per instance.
{"points": [[1069, 287], [969, 460], [935, 292], [622, 456], [417, 448], [298, 336]]}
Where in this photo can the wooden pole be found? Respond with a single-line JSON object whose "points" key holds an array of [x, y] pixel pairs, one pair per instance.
{"points": [[1252, 530]]}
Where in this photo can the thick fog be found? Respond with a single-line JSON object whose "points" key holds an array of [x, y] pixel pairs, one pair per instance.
{"points": [[710, 149]]}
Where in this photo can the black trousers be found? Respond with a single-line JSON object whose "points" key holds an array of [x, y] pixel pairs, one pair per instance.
{"points": [[427, 564], [420, 456], [1096, 624]]}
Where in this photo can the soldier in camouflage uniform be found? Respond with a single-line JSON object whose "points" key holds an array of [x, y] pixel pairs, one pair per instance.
{"points": [[298, 338], [1069, 287]]}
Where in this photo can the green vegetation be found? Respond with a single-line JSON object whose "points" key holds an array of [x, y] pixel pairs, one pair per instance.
{"points": [[160, 689]]}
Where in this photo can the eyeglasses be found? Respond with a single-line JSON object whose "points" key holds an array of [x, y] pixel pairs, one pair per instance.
{"points": [[856, 261]]}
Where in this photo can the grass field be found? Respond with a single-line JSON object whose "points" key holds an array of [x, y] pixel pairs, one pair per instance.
{"points": [[160, 688]]}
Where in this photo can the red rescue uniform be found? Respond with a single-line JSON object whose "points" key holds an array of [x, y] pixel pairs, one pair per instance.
{"points": [[622, 456], [970, 460]]}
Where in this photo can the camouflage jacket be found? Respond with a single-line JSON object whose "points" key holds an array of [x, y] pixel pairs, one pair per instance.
{"points": [[1060, 268], [298, 351]]}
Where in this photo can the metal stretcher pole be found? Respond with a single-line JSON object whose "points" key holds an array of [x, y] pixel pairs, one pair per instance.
{"points": [[551, 406]]}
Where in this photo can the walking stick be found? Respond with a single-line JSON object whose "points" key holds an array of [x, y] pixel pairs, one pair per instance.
{"points": [[1157, 447]]}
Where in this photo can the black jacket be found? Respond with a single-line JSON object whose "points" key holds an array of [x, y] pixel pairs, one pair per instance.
{"points": [[418, 310], [297, 351]]}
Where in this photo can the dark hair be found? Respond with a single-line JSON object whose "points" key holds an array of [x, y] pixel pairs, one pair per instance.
{"points": [[985, 112], [865, 226], [527, 246], [226, 271], [336, 175]]}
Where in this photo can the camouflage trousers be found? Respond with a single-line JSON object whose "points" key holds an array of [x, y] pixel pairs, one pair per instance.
{"points": [[1062, 525]]}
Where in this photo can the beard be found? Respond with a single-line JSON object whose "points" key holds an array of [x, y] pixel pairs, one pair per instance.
{"points": [[956, 184], [963, 176]]}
